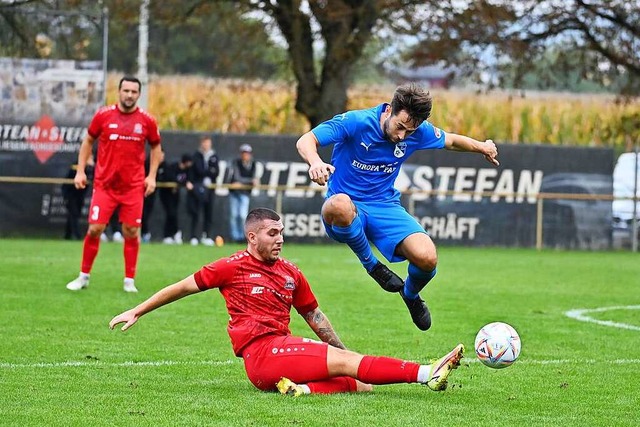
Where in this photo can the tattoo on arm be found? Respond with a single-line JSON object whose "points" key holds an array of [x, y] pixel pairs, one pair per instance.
{"points": [[322, 328]]}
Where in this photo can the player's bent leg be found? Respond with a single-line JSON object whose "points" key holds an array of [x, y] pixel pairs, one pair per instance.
{"points": [[419, 249], [344, 224]]}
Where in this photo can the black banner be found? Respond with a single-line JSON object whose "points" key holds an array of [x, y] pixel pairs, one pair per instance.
{"points": [[492, 206]]}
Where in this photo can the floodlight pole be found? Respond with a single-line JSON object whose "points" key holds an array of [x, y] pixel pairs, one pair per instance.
{"points": [[634, 221], [105, 51], [143, 47]]}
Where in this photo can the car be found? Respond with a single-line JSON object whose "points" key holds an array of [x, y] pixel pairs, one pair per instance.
{"points": [[626, 181]]}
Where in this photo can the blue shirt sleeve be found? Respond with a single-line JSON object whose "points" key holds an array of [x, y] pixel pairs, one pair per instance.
{"points": [[430, 137], [335, 130]]}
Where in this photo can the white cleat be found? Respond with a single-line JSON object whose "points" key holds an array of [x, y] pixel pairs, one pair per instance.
{"points": [[129, 286], [193, 241], [78, 283], [207, 241], [117, 237]]}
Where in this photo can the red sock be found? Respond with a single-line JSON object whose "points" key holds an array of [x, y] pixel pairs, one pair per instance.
{"points": [[333, 385], [89, 252], [386, 370], [131, 249]]}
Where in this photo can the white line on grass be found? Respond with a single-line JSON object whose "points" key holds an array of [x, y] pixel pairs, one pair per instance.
{"points": [[579, 314], [152, 364], [128, 364]]}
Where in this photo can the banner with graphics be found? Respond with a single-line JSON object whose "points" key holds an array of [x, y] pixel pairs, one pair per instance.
{"points": [[498, 206]]}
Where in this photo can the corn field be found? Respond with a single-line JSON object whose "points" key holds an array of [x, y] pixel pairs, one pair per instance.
{"points": [[242, 106]]}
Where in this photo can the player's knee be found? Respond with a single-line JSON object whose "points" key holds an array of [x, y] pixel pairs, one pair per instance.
{"points": [[95, 230], [428, 261], [338, 210]]}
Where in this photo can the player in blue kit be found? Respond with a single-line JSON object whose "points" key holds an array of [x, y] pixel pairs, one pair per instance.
{"points": [[362, 204]]}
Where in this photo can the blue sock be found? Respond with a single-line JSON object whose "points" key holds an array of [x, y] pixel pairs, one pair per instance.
{"points": [[353, 235], [416, 280]]}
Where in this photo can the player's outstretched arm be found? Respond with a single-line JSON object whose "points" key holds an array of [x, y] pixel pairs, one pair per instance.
{"points": [[164, 296], [320, 324], [455, 142], [319, 171]]}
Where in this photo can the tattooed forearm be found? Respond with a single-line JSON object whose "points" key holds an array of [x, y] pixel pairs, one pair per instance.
{"points": [[323, 329]]}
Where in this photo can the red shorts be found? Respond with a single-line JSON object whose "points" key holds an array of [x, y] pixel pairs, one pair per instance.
{"points": [[301, 360], [104, 203]]}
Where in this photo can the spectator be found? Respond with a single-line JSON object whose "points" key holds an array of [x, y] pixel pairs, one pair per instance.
{"points": [[243, 178], [74, 201], [200, 198], [149, 203], [176, 172]]}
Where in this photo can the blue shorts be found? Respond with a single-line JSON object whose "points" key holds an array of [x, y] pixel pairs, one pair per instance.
{"points": [[386, 224]]}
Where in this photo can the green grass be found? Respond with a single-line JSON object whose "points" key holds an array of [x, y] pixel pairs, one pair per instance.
{"points": [[61, 365]]}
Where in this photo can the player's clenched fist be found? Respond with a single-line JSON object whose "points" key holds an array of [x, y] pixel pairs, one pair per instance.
{"points": [[319, 172]]}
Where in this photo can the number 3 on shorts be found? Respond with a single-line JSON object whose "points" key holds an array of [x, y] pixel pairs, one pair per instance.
{"points": [[95, 213]]}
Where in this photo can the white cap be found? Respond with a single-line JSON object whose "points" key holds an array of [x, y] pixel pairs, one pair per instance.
{"points": [[246, 148]]}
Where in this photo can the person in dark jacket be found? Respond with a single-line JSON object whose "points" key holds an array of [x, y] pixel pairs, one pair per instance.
{"points": [[175, 172], [243, 178], [74, 202], [203, 172]]}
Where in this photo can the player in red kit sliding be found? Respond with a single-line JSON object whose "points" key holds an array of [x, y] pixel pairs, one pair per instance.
{"points": [[122, 130], [260, 288]]}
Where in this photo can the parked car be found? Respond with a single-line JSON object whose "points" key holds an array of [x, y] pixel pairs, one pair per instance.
{"points": [[577, 223], [626, 180]]}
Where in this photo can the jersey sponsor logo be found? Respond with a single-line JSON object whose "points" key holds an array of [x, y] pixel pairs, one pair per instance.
{"points": [[289, 283], [137, 128], [113, 136], [400, 150], [366, 146], [255, 275], [257, 290]]}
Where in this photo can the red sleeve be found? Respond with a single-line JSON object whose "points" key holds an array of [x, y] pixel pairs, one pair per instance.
{"points": [[215, 275], [154, 134], [95, 127], [303, 298]]}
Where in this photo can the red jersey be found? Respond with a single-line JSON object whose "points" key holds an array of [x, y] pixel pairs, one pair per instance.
{"points": [[259, 295], [121, 146]]}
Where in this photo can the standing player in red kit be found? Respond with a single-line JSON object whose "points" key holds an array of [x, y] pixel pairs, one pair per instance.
{"points": [[260, 288], [122, 130]]}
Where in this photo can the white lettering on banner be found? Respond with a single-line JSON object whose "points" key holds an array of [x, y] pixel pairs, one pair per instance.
{"points": [[303, 225], [450, 227], [55, 133], [275, 168], [297, 176], [478, 181]]}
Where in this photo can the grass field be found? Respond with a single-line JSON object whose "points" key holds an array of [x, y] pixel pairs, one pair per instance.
{"points": [[60, 365]]}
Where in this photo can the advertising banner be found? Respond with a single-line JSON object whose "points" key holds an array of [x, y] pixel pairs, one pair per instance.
{"points": [[459, 198]]}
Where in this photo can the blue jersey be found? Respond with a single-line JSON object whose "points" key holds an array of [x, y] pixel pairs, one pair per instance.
{"points": [[367, 164]]}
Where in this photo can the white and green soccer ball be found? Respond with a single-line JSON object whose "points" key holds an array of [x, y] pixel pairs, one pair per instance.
{"points": [[497, 345]]}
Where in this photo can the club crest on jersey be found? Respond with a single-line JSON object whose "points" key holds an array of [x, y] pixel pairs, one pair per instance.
{"points": [[400, 150], [137, 128], [289, 284], [436, 131]]}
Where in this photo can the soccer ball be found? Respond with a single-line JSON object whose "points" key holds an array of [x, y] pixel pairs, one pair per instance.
{"points": [[497, 345]]}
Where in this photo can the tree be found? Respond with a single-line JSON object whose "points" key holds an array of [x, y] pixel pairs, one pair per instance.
{"points": [[604, 33]]}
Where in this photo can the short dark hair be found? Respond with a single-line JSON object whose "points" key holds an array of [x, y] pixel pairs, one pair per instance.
{"points": [[130, 79], [414, 99], [258, 215]]}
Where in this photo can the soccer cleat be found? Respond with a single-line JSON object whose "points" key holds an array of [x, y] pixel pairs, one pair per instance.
{"points": [[441, 368], [419, 311], [193, 241], [129, 286], [78, 283], [168, 241], [117, 237], [387, 279], [287, 387]]}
